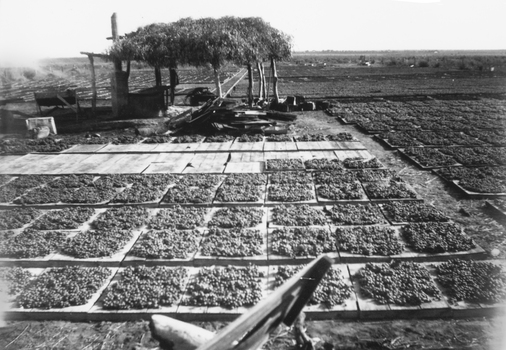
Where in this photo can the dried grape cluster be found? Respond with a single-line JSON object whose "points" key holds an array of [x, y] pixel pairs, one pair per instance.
{"points": [[219, 138], [123, 218], [481, 179], [166, 244], [44, 195], [4, 179], [360, 163], [88, 195], [188, 139], [280, 138], [342, 190], [399, 282], [145, 188], [31, 244], [368, 240], [284, 164], [399, 139], [143, 287], [303, 241], [227, 287], [72, 181], [182, 194], [242, 193], [297, 215], [22, 146], [182, 218], [13, 279], [331, 291], [341, 136], [429, 156], [310, 137], [323, 164], [412, 212], [436, 237], [236, 242], [241, 179], [96, 243], [349, 214], [158, 139], [17, 218], [335, 177], [20, 185], [250, 138], [65, 219], [371, 175], [476, 155], [474, 281], [237, 217], [62, 287], [290, 177], [290, 193], [389, 190]]}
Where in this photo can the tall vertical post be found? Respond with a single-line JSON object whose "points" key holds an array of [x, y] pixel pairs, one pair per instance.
{"points": [[93, 86], [119, 79]]}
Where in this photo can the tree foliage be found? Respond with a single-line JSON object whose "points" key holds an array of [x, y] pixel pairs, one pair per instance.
{"points": [[204, 42]]}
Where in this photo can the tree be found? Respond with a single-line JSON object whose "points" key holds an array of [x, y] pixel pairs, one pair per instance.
{"points": [[207, 41], [279, 48]]}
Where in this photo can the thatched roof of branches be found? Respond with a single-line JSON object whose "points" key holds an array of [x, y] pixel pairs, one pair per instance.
{"points": [[204, 41]]}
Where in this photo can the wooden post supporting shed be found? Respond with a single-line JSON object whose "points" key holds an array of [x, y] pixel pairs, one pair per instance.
{"points": [[91, 56]]}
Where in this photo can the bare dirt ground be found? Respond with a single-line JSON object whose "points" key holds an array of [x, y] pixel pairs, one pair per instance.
{"points": [[480, 333]]}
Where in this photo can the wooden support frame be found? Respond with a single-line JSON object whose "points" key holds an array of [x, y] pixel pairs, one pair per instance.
{"points": [[57, 98]]}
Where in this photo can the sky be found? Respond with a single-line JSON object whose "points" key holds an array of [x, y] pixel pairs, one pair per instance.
{"points": [[35, 29]]}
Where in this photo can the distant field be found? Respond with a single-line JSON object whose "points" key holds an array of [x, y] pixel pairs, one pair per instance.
{"points": [[316, 75]]}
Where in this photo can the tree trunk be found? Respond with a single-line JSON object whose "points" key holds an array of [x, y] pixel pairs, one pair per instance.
{"points": [[174, 81], [250, 85], [217, 82], [264, 82], [158, 76], [128, 68], [261, 86], [274, 80]]}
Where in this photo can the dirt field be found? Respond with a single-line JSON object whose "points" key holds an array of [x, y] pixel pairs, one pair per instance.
{"points": [[417, 334], [482, 333]]}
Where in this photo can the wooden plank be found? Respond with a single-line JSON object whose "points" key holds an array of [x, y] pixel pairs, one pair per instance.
{"points": [[207, 163], [351, 145], [279, 146], [245, 167], [247, 147], [91, 148], [23, 164], [319, 154], [244, 157], [93, 164], [7, 160], [177, 147], [129, 148], [343, 154], [130, 164], [214, 147], [60, 164], [169, 163]]}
